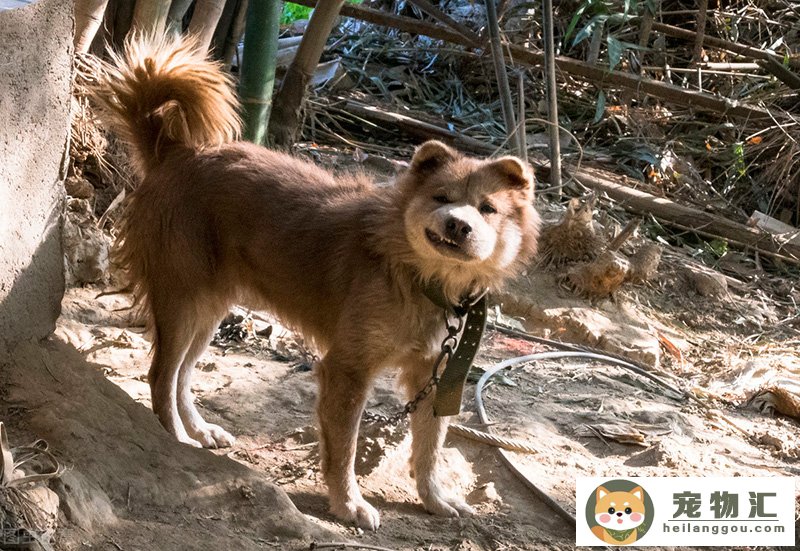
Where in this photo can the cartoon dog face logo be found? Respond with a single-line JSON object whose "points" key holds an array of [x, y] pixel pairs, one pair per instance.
{"points": [[621, 512]]}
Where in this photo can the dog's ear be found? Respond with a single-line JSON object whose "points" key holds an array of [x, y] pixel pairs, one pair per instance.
{"points": [[637, 491], [517, 174], [601, 493], [430, 156]]}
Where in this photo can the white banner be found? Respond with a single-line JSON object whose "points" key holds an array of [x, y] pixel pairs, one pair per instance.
{"points": [[686, 511]]}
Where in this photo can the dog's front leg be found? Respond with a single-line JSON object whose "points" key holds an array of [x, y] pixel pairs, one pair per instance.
{"points": [[343, 387], [428, 433]]}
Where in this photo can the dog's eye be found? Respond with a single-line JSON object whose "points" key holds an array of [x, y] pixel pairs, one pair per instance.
{"points": [[443, 199], [486, 208], [611, 510], [628, 510]]}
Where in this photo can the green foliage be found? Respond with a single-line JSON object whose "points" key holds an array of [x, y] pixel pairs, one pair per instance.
{"points": [[294, 12], [606, 14], [739, 165]]}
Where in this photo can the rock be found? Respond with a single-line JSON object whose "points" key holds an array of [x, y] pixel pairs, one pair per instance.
{"points": [[486, 493], [707, 283], [83, 501], [78, 188], [86, 247], [601, 277], [644, 263]]}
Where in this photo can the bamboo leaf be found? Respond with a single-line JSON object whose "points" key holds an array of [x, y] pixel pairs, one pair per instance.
{"points": [[615, 50], [594, 23], [601, 106]]}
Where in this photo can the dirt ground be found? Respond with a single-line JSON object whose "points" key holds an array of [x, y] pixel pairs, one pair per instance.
{"points": [[573, 412]]}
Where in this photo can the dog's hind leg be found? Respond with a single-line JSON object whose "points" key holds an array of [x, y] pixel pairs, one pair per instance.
{"points": [[343, 386], [173, 337], [208, 434], [427, 437]]}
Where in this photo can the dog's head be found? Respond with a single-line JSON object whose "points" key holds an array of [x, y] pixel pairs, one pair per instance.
{"points": [[468, 219], [619, 510]]}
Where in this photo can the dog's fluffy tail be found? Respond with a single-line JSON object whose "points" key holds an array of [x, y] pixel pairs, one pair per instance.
{"points": [[164, 92]]}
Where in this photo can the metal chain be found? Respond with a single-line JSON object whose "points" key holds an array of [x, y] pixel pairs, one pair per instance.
{"points": [[448, 346]]}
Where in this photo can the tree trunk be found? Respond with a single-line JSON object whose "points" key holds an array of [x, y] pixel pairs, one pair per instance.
{"points": [[226, 49], [88, 17], [122, 22], [204, 20], [283, 126], [177, 11], [150, 16], [258, 67]]}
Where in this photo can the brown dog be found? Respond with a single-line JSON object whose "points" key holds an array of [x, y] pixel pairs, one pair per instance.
{"points": [[216, 222]]}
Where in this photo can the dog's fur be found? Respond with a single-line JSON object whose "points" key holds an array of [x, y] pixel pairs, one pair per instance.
{"points": [[216, 222]]}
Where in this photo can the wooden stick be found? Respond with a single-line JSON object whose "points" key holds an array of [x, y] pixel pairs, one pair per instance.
{"points": [[420, 129], [624, 235], [602, 77], [597, 75], [741, 49], [445, 19], [503, 87], [406, 24], [700, 33], [553, 130], [791, 79]]}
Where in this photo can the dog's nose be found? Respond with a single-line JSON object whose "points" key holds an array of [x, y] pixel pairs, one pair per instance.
{"points": [[619, 514], [457, 229]]}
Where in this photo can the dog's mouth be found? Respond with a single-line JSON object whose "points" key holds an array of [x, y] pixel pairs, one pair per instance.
{"points": [[447, 246]]}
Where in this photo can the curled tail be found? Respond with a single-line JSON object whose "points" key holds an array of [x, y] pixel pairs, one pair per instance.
{"points": [[162, 92]]}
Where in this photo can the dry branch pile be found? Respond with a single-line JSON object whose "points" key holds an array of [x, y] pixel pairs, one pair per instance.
{"points": [[718, 132]]}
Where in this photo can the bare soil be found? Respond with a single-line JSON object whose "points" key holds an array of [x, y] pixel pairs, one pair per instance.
{"points": [[263, 390]]}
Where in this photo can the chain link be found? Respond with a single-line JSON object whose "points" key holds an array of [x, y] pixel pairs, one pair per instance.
{"points": [[448, 346]]}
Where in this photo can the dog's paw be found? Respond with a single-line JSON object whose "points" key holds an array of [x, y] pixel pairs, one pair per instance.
{"points": [[359, 511], [213, 436], [444, 505], [188, 440]]}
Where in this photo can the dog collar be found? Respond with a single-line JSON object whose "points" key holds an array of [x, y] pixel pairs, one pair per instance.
{"points": [[471, 311]]}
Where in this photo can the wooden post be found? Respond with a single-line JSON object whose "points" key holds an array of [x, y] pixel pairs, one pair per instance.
{"points": [[552, 96], [502, 78], [285, 120]]}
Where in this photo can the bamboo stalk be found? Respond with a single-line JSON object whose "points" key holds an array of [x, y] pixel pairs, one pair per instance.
{"points": [[552, 97], [258, 67], [121, 22], [501, 75], [204, 21], [177, 11], [150, 16], [88, 17], [285, 120], [235, 33], [222, 34], [702, 15]]}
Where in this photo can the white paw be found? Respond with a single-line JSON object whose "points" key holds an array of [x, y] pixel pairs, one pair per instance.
{"points": [[360, 512], [189, 441], [445, 505], [213, 436]]}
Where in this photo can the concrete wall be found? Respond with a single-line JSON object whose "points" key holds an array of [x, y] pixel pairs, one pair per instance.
{"points": [[35, 74]]}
